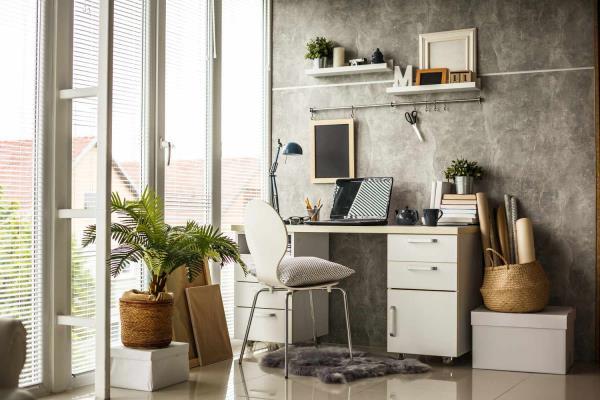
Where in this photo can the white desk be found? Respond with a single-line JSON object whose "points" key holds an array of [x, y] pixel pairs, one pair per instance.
{"points": [[433, 280]]}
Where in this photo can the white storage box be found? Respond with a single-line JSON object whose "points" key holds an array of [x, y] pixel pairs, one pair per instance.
{"points": [[536, 342], [150, 369]]}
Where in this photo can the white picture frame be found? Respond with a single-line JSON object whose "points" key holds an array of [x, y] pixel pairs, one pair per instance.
{"points": [[455, 50]]}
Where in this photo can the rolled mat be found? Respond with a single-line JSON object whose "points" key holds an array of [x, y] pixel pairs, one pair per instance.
{"points": [[484, 224]]}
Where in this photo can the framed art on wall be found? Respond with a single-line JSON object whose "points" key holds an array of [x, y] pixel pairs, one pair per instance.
{"points": [[332, 148], [455, 50]]}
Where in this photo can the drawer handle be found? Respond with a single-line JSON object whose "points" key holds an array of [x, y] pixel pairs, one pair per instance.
{"points": [[392, 321], [413, 268], [265, 315], [422, 240]]}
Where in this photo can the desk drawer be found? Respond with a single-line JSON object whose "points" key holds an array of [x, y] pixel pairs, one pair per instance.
{"points": [[426, 248], [422, 322], [421, 275], [268, 325]]}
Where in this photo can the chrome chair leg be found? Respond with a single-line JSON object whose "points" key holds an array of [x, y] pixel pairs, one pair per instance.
{"points": [[312, 315], [285, 351], [347, 320], [249, 323]]}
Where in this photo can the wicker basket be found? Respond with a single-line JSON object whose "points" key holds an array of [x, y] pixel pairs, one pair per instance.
{"points": [[516, 288], [146, 323]]}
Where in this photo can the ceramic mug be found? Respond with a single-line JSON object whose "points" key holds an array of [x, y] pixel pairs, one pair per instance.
{"points": [[432, 216]]}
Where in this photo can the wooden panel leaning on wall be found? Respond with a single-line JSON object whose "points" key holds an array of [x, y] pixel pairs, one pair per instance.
{"points": [[597, 120]]}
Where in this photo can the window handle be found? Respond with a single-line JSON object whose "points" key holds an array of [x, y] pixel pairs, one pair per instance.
{"points": [[164, 144]]}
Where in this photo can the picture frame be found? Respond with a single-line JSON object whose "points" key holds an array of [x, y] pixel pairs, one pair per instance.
{"points": [[432, 76], [455, 50], [332, 150]]}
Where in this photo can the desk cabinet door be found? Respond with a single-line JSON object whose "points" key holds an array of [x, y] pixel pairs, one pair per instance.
{"points": [[422, 322]]}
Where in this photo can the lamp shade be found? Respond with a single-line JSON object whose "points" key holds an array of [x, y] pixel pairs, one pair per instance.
{"points": [[292, 149]]}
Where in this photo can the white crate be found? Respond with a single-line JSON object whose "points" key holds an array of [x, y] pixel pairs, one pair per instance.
{"points": [[536, 342], [150, 369]]}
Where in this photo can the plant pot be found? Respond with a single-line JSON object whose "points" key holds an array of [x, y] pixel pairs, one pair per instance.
{"points": [[320, 62], [146, 323], [464, 184]]}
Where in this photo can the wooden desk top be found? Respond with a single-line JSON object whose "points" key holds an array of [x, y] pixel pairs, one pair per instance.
{"points": [[383, 229]]}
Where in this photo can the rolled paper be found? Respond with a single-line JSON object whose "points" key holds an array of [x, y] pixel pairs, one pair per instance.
{"points": [[484, 225], [338, 56], [525, 243], [514, 216], [509, 225], [503, 232]]}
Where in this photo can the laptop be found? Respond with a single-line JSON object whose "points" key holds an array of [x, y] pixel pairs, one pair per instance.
{"points": [[359, 201]]}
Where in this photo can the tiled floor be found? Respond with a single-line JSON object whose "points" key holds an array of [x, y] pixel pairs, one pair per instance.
{"points": [[226, 380]]}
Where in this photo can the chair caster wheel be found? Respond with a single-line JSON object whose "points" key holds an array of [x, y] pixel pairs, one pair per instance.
{"points": [[448, 360]]}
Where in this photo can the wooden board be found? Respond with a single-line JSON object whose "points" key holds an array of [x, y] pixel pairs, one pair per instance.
{"points": [[182, 325], [484, 224], [208, 321], [503, 232]]}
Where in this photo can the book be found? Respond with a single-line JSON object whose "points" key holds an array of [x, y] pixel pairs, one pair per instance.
{"points": [[441, 189], [460, 197], [464, 216], [458, 219], [469, 202], [460, 206], [450, 210]]}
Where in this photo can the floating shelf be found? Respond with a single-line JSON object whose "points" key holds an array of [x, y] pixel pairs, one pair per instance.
{"points": [[428, 89], [351, 70]]}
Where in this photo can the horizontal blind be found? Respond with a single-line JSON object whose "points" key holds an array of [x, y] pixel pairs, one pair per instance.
{"points": [[20, 171], [187, 193], [128, 75], [242, 127]]}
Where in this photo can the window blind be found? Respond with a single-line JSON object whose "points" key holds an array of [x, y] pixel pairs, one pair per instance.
{"points": [[187, 191], [20, 175], [243, 135], [129, 52]]}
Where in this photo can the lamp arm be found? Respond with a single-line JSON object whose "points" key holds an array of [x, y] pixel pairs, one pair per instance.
{"points": [[275, 164]]}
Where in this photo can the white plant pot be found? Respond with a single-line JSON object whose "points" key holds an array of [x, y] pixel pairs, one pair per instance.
{"points": [[320, 62]]}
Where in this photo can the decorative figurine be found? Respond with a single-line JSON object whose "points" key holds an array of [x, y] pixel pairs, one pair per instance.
{"points": [[407, 216], [377, 57]]}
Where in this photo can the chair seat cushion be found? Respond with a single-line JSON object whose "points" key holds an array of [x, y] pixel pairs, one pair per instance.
{"points": [[307, 271]]}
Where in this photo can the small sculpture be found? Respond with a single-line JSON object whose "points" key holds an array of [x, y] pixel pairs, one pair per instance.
{"points": [[377, 57]]}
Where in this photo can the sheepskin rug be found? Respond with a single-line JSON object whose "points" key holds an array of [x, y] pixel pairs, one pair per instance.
{"points": [[332, 364]]}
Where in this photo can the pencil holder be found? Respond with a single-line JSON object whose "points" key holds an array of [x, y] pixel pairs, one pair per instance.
{"points": [[313, 214]]}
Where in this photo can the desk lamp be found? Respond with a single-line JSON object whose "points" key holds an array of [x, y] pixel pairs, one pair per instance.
{"points": [[290, 149]]}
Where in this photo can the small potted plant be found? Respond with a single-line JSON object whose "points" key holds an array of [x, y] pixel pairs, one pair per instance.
{"points": [[143, 236], [318, 49], [463, 172]]}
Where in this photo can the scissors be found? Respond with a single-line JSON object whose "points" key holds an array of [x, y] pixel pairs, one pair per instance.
{"points": [[411, 118]]}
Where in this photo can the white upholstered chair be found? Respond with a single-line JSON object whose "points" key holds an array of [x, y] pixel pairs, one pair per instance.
{"points": [[267, 240]]}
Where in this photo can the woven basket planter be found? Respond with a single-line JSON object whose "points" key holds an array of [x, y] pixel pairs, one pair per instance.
{"points": [[146, 323], [515, 288]]}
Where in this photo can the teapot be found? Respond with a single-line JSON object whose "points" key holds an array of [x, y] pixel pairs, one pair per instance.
{"points": [[407, 216]]}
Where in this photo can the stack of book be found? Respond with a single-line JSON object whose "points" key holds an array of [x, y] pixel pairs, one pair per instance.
{"points": [[459, 209]]}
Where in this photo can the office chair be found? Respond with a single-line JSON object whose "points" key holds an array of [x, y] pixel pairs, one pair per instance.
{"points": [[267, 240]]}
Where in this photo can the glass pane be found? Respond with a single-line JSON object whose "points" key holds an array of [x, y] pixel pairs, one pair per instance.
{"points": [[187, 194], [20, 177], [127, 148], [243, 129]]}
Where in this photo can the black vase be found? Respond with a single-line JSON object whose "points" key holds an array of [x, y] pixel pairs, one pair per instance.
{"points": [[377, 57]]}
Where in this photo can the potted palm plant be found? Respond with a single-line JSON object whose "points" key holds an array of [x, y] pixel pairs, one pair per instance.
{"points": [[318, 49], [463, 172], [143, 236]]}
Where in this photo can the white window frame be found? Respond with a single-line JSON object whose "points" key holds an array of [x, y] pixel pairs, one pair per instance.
{"points": [[58, 26]]}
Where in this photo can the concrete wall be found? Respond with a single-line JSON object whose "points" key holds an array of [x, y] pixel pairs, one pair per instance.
{"points": [[534, 133]]}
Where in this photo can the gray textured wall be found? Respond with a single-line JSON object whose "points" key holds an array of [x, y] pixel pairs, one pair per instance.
{"points": [[534, 133]]}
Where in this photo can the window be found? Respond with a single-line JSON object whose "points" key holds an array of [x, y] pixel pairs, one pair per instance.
{"points": [[186, 186], [242, 124], [21, 187], [128, 141]]}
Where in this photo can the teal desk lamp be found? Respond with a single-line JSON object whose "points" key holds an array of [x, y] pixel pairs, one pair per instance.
{"points": [[290, 149]]}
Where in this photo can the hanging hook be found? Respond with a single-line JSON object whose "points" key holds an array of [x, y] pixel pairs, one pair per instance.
{"points": [[352, 112], [426, 106], [445, 106], [312, 113], [414, 106], [435, 105]]}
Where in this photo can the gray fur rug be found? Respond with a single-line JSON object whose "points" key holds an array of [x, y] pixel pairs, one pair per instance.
{"points": [[332, 364]]}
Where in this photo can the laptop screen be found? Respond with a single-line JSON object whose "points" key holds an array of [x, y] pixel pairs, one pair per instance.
{"points": [[362, 198]]}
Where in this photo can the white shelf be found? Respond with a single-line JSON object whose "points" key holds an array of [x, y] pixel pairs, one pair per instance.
{"points": [[78, 93], [351, 70], [428, 89]]}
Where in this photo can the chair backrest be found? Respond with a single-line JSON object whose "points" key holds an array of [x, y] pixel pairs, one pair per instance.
{"points": [[267, 240]]}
